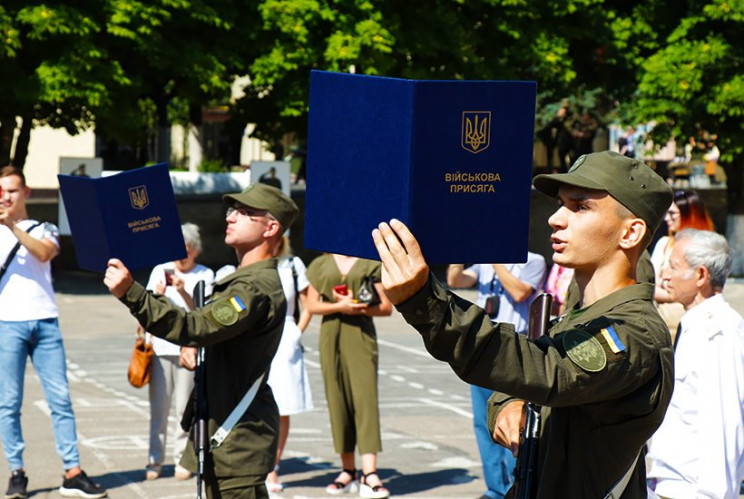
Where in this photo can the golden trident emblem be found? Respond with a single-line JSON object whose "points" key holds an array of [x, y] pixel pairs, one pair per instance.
{"points": [[138, 197], [476, 131]]}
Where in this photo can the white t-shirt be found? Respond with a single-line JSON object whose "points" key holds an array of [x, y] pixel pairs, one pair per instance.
{"points": [[284, 267], [26, 291], [190, 278]]}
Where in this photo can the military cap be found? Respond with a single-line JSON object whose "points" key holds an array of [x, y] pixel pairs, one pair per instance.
{"points": [[267, 198], [628, 180]]}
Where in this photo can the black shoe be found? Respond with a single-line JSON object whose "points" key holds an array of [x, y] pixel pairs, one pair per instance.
{"points": [[81, 486], [17, 485]]}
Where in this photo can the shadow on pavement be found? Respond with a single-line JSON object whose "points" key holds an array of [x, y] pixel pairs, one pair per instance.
{"points": [[398, 483]]}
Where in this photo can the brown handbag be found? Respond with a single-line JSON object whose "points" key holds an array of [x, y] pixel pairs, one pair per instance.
{"points": [[139, 365]]}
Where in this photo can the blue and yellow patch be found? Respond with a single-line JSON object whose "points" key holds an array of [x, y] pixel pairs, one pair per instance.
{"points": [[237, 303], [613, 341]]}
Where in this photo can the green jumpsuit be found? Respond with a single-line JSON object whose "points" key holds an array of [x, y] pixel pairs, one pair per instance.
{"points": [[603, 374], [240, 327], [348, 358]]}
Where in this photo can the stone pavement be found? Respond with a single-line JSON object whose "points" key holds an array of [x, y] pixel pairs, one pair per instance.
{"points": [[429, 449]]}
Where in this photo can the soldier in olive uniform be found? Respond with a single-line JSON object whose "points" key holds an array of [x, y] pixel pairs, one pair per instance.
{"points": [[240, 327], [604, 373]]}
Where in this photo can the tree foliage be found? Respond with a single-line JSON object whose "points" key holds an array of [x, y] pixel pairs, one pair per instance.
{"points": [[118, 64], [692, 83]]}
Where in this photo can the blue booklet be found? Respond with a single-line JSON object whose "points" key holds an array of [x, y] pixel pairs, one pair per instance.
{"points": [[131, 216], [451, 159]]}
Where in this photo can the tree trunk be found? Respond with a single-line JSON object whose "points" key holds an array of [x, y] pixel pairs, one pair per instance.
{"points": [[163, 140], [24, 138], [195, 137]]}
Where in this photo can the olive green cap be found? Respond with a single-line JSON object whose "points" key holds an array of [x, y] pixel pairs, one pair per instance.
{"points": [[267, 198], [630, 181]]}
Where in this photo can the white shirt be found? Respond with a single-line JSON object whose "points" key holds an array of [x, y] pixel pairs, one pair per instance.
{"points": [[284, 267], [698, 449], [26, 292], [190, 278], [532, 272]]}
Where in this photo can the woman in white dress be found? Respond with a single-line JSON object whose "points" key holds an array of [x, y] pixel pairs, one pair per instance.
{"points": [[171, 377], [288, 375]]}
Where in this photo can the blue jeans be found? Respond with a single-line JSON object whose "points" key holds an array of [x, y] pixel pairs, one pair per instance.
{"points": [[42, 341], [498, 462]]}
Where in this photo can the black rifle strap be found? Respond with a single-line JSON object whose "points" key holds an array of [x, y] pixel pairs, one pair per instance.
{"points": [[296, 291], [14, 251]]}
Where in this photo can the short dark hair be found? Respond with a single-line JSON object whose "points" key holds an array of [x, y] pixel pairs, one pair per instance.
{"points": [[7, 171]]}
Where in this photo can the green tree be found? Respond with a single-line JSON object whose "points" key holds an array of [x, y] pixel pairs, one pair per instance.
{"points": [[440, 39], [118, 64], [694, 82]]}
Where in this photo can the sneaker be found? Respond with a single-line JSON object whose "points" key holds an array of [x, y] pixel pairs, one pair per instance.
{"points": [[153, 471], [182, 473], [17, 485], [81, 486]]}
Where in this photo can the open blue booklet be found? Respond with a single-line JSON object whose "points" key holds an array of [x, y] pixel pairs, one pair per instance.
{"points": [[451, 159], [131, 216]]}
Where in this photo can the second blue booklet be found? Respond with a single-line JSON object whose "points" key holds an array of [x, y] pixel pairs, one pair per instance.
{"points": [[451, 159]]}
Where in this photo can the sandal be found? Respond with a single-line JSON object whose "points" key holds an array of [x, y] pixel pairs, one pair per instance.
{"points": [[374, 492], [338, 487]]}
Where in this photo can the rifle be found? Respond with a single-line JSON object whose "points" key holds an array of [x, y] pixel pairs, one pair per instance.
{"points": [[529, 437], [200, 426]]}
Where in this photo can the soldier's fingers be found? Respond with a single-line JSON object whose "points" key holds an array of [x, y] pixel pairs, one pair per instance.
{"points": [[384, 251], [115, 263], [393, 243], [409, 241]]}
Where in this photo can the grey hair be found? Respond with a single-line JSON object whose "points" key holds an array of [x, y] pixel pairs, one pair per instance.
{"points": [[191, 236], [707, 249]]}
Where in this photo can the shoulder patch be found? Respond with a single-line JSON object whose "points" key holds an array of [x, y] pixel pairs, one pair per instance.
{"points": [[224, 312], [584, 350]]}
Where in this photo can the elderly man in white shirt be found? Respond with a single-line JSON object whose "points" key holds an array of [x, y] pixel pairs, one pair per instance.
{"points": [[698, 450]]}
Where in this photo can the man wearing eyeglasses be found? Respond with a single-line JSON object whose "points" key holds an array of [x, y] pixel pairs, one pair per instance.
{"points": [[240, 327]]}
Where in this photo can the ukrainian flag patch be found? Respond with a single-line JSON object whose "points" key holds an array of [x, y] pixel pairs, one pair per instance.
{"points": [[237, 303], [612, 340]]}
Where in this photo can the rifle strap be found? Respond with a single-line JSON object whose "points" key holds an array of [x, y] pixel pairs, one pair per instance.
{"points": [[619, 487], [224, 430]]}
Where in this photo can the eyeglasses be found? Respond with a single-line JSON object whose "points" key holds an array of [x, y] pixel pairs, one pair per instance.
{"points": [[672, 214], [248, 212], [244, 211]]}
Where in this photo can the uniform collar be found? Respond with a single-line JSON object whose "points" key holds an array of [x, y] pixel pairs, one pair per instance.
{"points": [[639, 291], [269, 263]]}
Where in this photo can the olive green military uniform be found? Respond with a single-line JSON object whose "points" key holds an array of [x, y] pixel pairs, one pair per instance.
{"points": [[604, 376], [348, 358], [240, 327]]}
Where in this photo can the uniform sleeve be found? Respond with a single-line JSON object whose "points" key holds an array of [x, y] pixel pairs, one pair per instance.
{"points": [[217, 321], [496, 402], [494, 356]]}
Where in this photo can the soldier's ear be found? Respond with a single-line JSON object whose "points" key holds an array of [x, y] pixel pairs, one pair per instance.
{"points": [[634, 233], [272, 228]]}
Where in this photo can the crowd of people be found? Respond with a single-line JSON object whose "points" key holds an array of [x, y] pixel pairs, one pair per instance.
{"points": [[639, 382]]}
